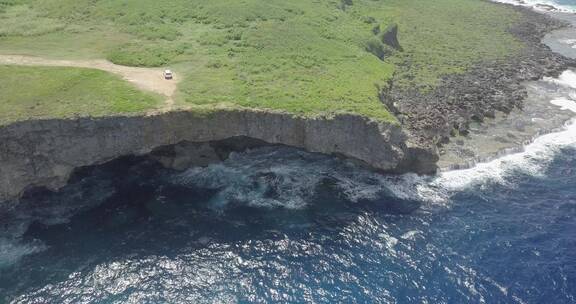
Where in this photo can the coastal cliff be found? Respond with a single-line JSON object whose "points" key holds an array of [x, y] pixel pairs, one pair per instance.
{"points": [[43, 153]]}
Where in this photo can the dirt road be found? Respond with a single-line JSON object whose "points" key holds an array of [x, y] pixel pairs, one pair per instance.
{"points": [[148, 79]]}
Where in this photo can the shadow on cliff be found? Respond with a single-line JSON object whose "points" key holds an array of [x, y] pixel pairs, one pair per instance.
{"points": [[130, 208]]}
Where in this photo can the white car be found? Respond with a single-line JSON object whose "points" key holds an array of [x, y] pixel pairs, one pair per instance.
{"points": [[168, 74]]}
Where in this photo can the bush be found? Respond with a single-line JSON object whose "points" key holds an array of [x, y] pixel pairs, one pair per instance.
{"points": [[20, 20], [135, 54], [377, 48], [234, 34], [154, 32]]}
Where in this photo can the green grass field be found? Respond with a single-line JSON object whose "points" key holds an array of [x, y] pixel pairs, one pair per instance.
{"points": [[45, 92], [307, 57]]}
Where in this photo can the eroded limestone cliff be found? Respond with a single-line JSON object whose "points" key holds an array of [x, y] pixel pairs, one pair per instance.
{"points": [[43, 153]]}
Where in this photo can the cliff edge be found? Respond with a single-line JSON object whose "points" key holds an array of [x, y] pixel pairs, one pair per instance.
{"points": [[43, 153]]}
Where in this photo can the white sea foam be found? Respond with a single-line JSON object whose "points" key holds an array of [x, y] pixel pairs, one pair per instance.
{"points": [[565, 104], [258, 179], [439, 189], [541, 5], [282, 177], [11, 250], [17, 220], [570, 42], [533, 160], [567, 79]]}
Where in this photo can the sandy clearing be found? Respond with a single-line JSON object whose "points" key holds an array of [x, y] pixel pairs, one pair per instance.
{"points": [[148, 79]]}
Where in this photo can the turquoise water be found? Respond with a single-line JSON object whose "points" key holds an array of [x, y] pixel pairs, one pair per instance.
{"points": [[562, 5], [567, 3]]}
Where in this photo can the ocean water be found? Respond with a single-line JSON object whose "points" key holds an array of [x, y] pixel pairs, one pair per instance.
{"points": [[281, 225], [567, 6]]}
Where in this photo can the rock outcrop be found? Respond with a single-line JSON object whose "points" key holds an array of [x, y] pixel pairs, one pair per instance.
{"points": [[43, 153], [432, 118], [384, 43], [390, 37]]}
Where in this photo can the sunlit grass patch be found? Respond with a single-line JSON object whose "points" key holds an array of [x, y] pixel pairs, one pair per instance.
{"points": [[46, 92], [304, 57], [20, 20]]}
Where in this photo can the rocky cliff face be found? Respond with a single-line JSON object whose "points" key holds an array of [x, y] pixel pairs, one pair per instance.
{"points": [[433, 118], [45, 152]]}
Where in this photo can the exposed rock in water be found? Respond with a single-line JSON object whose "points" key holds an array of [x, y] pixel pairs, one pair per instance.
{"points": [[433, 118], [509, 133]]}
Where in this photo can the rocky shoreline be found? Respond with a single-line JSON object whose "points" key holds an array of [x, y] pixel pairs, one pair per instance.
{"points": [[44, 153], [432, 119]]}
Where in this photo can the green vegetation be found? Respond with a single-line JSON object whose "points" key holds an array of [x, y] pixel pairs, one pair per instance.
{"points": [[446, 36], [143, 55], [308, 57], [44, 92]]}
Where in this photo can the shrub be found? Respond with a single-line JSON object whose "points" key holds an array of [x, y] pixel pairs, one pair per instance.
{"points": [[136, 54], [377, 48], [20, 20], [154, 32]]}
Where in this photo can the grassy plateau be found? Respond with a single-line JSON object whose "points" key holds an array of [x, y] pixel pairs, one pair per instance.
{"points": [[306, 57], [45, 92]]}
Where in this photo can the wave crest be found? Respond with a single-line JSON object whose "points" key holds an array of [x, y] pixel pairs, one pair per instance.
{"points": [[290, 178], [541, 5]]}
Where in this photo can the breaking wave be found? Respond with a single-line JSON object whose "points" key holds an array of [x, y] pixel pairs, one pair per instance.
{"points": [[285, 177], [289, 178], [188, 255], [15, 220], [570, 42], [282, 177], [543, 5], [567, 79], [12, 250]]}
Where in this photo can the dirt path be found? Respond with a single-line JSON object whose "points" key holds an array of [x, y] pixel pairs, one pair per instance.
{"points": [[148, 79]]}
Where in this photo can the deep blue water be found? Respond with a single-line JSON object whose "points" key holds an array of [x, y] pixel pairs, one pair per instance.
{"points": [[280, 225]]}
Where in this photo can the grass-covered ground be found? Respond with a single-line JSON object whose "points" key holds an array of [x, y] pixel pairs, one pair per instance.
{"points": [[306, 57], [44, 92]]}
